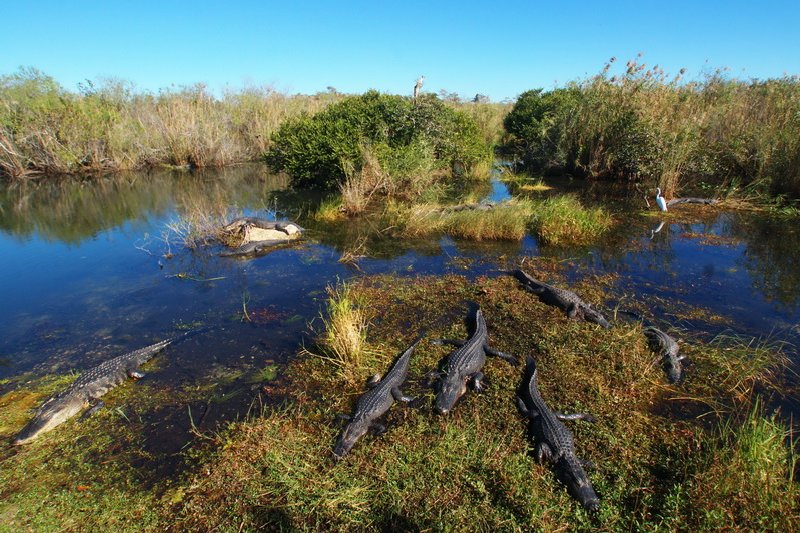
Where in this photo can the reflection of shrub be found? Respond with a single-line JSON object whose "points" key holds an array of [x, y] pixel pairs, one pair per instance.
{"points": [[316, 151]]}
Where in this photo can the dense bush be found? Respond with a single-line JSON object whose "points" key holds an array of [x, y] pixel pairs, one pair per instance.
{"points": [[643, 125], [317, 150], [535, 124]]}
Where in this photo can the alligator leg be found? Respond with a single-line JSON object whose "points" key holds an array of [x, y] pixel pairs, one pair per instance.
{"points": [[523, 410], [502, 355], [429, 379], [341, 417], [475, 380], [585, 463], [399, 396], [453, 342], [544, 453], [373, 381], [575, 416], [573, 310], [377, 429], [94, 406]]}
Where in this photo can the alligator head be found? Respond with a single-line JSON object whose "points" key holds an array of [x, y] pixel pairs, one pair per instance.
{"points": [[451, 388], [353, 431], [594, 316], [578, 485], [54, 412]]}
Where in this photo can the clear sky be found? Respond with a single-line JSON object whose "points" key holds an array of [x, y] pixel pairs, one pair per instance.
{"points": [[495, 48]]}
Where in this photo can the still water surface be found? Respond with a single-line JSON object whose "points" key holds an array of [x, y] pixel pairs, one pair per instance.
{"points": [[91, 270]]}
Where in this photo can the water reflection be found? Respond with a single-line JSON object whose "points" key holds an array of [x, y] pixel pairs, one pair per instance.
{"points": [[70, 210], [771, 257]]}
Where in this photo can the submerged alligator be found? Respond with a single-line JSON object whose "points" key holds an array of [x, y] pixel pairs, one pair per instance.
{"points": [[257, 236], [689, 200], [665, 346], [567, 301], [253, 248], [90, 386], [374, 403], [464, 366], [554, 442]]}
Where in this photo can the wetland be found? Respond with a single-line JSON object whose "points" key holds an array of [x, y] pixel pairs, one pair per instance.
{"points": [[233, 428]]}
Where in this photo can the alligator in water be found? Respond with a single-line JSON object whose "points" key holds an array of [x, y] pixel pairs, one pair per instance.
{"points": [[374, 403], [554, 442], [665, 346], [567, 301], [256, 236], [252, 249], [704, 201], [464, 367], [90, 386]]}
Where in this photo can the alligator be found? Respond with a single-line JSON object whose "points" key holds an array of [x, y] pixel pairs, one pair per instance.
{"points": [[252, 249], [664, 345], [90, 386], [256, 236], [464, 366], [567, 301], [554, 442], [688, 200], [374, 403], [290, 228]]}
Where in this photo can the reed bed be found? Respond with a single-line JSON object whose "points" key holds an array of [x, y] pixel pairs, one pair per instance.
{"points": [[106, 127], [638, 122]]}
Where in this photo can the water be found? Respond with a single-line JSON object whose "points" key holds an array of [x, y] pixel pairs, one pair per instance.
{"points": [[91, 271]]}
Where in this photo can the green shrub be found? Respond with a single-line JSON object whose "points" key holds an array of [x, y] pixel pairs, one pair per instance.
{"points": [[535, 125], [644, 125], [315, 151]]}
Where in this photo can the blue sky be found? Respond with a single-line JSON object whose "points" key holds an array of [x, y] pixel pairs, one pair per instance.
{"points": [[495, 48]]}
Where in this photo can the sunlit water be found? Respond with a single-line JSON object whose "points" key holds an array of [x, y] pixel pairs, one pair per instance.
{"points": [[84, 276]]}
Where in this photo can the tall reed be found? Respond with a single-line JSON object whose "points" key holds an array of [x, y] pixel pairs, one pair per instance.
{"points": [[106, 126], [644, 124]]}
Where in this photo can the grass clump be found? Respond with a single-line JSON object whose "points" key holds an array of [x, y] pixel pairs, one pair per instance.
{"points": [[744, 478], [343, 342], [555, 221], [564, 220], [507, 221]]}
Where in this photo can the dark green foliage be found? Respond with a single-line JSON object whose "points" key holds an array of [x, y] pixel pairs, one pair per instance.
{"points": [[312, 149], [645, 126], [535, 124]]}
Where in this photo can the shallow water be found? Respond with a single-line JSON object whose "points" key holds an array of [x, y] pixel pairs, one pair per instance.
{"points": [[91, 271]]}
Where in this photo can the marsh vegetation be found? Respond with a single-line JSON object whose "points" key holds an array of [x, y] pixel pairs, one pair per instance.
{"points": [[637, 122], [407, 221]]}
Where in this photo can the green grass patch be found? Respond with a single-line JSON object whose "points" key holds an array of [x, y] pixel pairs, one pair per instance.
{"points": [[564, 220], [473, 469]]}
